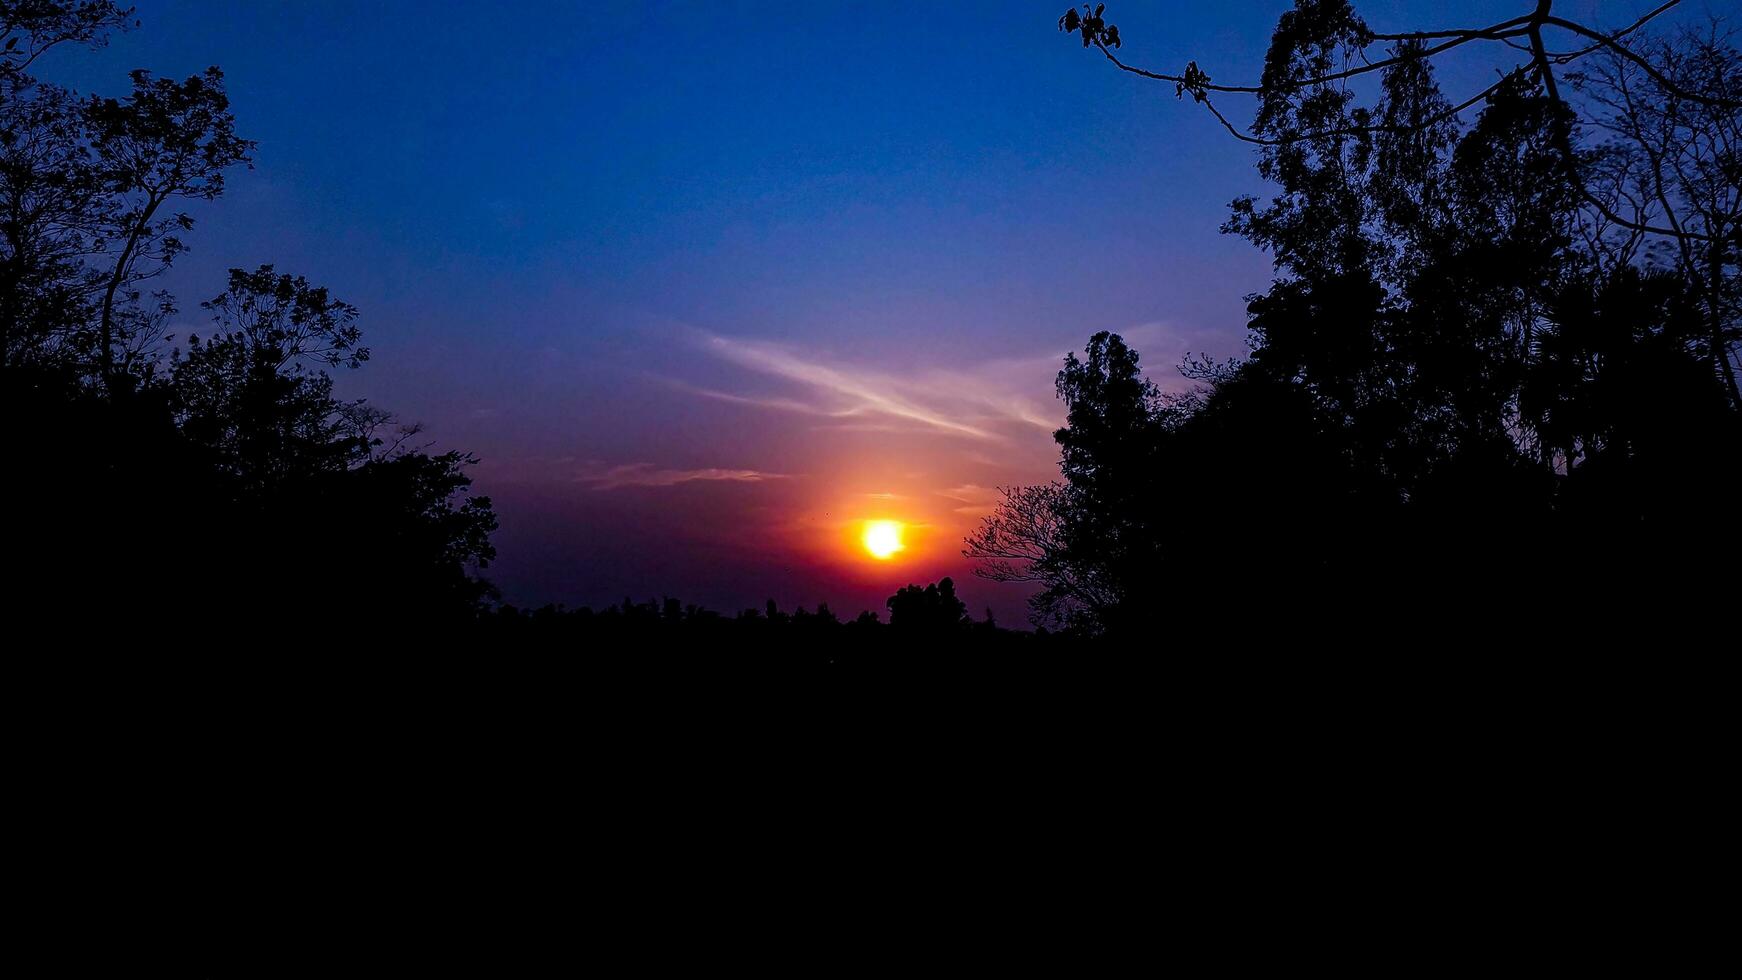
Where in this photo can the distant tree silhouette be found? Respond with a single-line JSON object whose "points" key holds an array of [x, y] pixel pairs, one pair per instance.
{"points": [[932, 609], [929, 634]]}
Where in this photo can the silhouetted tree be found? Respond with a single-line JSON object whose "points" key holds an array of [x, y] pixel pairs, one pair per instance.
{"points": [[406, 531], [167, 140], [1672, 110], [1467, 362], [85, 187], [1023, 540], [247, 393], [226, 470], [29, 28], [1670, 107], [931, 610], [1084, 540], [55, 206]]}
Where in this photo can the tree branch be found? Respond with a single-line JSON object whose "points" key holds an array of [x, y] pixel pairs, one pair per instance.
{"points": [[1625, 52]]}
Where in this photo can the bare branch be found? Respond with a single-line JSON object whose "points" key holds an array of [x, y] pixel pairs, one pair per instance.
{"points": [[1196, 82], [1356, 130], [1622, 50]]}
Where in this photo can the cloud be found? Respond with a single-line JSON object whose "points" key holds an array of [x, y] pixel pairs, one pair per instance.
{"points": [[778, 404], [975, 403], [994, 402], [649, 475], [975, 500], [858, 391]]}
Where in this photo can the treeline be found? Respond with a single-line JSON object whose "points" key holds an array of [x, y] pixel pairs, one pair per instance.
{"points": [[918, 616]]}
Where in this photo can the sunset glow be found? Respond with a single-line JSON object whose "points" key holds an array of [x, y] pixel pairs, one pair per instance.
{"points": [[883, 539], [797, 355], [778, 336]]}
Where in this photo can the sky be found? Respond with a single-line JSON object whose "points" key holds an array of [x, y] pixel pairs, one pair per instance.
{"points": [[706, 286]]}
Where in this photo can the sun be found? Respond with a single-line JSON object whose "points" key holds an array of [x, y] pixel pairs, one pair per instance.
{"points": [[883, 538]]}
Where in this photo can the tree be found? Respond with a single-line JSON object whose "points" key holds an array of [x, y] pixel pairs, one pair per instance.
{"points": [[221, 483], [167, 140], [51, 205], [29, 28], [1424, 257], [1193, 500], [298, 462], [1673, 115], [247, 392], [1022, 541], [1666, 102], [1085, 540], [930, 611], [53, 214], [1469, 362], [84, 188], [409, 535]]}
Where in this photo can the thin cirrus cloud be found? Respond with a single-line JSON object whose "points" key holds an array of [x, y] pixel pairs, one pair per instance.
{"points": [[778, 404], [971, 499], [972, 405], [649, 475]]}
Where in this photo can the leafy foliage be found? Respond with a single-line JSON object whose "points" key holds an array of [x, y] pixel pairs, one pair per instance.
{"points": [[1091, 25]]}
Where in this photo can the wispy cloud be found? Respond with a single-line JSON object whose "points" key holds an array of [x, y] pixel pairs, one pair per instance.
{"points": [[974, 500], [974, 403], [649, 475], [778, 404], [856, 391], [991, 401]]}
